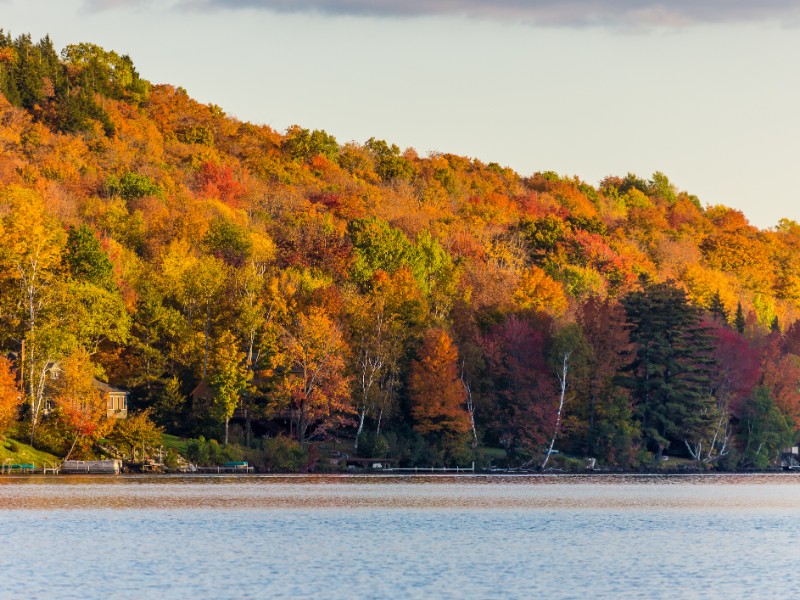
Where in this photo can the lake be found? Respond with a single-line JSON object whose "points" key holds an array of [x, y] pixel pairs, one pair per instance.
{"points": [[694, 536]]}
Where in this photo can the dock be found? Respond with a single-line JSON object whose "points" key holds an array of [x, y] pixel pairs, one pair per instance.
{"points": [[423, 470], [231, 467], [91, 467]]}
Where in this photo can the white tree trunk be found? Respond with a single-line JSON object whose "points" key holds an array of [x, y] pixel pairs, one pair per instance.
{"points": [[562, 380]]}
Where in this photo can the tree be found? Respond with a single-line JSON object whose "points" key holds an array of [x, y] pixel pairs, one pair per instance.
{"points": [[136, 436], [170, 405], [313, 385], [763, 429], [568, 360], [389, 163], [34, 240], [80, 407], [10, 395], [735, 374], [739, 321], [377, 337], [303, 144], [717, 308], [521, 387], [229, 377], [670, 375], [85, 260], [538, 291], [437, 395], [605, 413]]}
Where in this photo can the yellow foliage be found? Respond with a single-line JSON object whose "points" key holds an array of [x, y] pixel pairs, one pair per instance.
{"points": [[538, 291]]}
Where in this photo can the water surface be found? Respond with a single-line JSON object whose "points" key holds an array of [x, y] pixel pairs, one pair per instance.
{"points": [[400, 537]]}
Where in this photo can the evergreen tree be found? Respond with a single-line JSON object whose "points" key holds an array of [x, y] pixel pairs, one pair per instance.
{"points": [[717, 309], [670, 376], [739, 322]]}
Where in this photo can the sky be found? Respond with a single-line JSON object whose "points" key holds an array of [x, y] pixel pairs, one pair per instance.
{"points": [[705, 91]]}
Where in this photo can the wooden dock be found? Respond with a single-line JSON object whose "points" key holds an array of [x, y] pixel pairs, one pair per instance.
{"points": [[239, 469], [424, 470], [91, 467]]}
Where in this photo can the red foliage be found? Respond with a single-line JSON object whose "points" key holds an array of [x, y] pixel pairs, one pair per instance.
{"points": [[218, 181], [524, 392], [738, 366]]}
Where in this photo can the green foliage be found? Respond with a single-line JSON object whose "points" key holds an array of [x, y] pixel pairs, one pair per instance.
{"points": [[85, 259], [303, 144], [378, 245], [671, 384], [661, 187], [389, 163], [196, 135], [372, 445], [543, 235], [283, 454], [209, 453], [137, 437], [228, 241], [106, 72], [132, 185], [764, 430], [170, 406]]}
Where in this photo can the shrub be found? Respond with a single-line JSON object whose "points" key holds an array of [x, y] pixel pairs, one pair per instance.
{"points": [[284, 454], [210, 453]]}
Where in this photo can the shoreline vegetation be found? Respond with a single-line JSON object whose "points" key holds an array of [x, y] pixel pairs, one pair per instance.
{"points": [[180, 287]]}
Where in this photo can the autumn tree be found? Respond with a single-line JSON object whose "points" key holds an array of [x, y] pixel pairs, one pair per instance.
{"points": [[313, 386], [437, 396], [80, 407], [521, 387], [136, 437], [34, 241], [377, 336], [10, 395], [603, 412]]}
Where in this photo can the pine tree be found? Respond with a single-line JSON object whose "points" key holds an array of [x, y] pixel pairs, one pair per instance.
{"points": [[670, 376], [739, 322], [717, 309]]}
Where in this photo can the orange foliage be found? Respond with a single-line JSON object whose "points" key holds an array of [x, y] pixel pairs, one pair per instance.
{"points": [[81, 408], [437, 395], [538, 291], [10, 395]]}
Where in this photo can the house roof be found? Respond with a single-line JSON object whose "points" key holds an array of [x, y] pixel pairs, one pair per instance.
{"points": [[103, 386]]}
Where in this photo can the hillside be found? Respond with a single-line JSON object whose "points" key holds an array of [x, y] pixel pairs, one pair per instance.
{"points": [[423, 304]]}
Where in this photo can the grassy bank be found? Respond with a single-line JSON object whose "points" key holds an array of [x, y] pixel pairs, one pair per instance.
{"points": [[15, 452]]}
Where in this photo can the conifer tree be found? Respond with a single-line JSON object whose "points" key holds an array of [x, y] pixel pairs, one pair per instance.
{"points": [[739, 322], [717, 308], [670, 376]]}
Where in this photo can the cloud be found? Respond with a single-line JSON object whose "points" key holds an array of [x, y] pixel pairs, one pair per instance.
{"points": [[569, 13]]}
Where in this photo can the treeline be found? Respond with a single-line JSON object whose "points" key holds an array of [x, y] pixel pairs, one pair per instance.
{"points": [[427, 307]]}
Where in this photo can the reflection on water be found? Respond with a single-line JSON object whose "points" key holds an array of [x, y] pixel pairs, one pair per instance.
{"points": [[400, 537], [710, 492]]}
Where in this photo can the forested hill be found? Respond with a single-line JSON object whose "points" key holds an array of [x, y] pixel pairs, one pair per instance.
{"points": [[428, 304]]}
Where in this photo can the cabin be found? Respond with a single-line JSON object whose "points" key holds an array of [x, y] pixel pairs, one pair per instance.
{"points": [[116, 399]]}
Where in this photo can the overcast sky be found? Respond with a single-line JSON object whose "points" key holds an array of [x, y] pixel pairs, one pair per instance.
{"points": [[707, 91]]}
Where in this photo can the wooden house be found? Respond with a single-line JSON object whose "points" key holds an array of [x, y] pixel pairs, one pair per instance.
{"points": [[116, 399]]}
